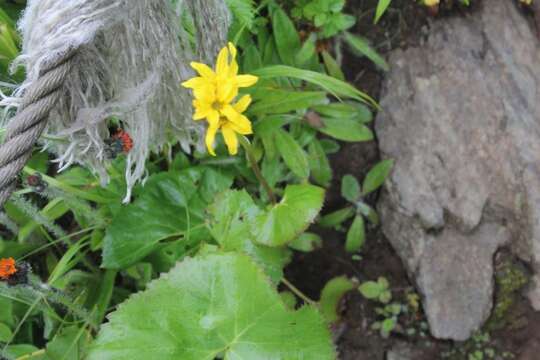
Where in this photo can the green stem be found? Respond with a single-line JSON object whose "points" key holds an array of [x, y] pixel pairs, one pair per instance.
{"points": [[298, 293], [255, 167]]}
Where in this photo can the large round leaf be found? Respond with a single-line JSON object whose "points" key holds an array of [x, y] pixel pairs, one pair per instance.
{"points": [[218, 305]]}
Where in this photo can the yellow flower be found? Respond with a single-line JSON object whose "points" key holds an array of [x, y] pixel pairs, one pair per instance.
{"points": [[431, 2], [214, 92], [526, 2]]}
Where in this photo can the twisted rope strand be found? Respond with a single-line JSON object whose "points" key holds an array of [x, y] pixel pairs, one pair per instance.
{"points": [[26, 127]]}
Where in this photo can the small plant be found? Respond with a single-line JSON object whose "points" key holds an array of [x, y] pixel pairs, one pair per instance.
{"points": [[388, 313], [376, 290], [389, 319], [358, 208], [325, 15]]}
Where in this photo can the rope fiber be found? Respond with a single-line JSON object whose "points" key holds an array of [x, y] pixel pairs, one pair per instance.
{"points": [[24, 130]]}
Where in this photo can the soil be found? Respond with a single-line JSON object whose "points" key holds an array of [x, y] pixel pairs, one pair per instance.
{"points": [[405, 24]]}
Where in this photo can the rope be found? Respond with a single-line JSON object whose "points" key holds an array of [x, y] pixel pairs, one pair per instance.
{"points": [[24, 130]]}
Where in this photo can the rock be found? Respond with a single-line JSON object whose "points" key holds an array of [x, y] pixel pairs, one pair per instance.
{"points": [[461, 117]]}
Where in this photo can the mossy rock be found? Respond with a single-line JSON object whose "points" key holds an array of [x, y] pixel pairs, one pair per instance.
{"points": [[510, 277]]}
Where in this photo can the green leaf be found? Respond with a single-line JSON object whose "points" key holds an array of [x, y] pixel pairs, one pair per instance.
{"points": [[243, 11], [19, 350], [371, 289], [332, 67], [345, 129], [252, 59], [337, 5], [337, 217], [350, 188], [321, 171], [331, 295], [361, 47], [376, 176], [306, 242], [349, 110], [356, 235], [382, 6], [283, 222], [232, 224], [285, 35], [294, 156], [336, 87], [288, 299], [279, 101], [387, 326], [307, 51], [337, 23], [5, 333], [217, 306], [369, 213], [170, 206], [70, 344], [6, 305], [385, 297], [330, 146]]}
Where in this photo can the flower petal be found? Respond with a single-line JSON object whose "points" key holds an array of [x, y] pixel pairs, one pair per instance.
{"points": [[196, 82], [230, 139], [202, 109], [226, 92], [222, 63], [246, 80], [242, 125], [205, 93], [242, 104], [213, 127], [203, 70], [232, 49], [230, 113], [233, 68]]}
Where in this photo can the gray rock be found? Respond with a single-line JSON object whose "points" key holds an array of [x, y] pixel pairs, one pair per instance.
{"points": [[461, 117]]}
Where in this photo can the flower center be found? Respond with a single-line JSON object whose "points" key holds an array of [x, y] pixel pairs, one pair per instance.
{"points": [[217, 106]]}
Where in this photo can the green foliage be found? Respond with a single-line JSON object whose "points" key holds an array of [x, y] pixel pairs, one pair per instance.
{"points": [[286, 220], [243, 11], [326, 15], [376, 176], [350, 188], [170, 207], [376, 290], [361, 47], [388, 314], [331, 295], [359, 209], [217, 305], [356, 235], [233, 225], [382, 6], [9, 45], [306, 242]]}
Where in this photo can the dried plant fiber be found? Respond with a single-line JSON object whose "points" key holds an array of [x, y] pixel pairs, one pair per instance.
{"points": [[130, 58]]}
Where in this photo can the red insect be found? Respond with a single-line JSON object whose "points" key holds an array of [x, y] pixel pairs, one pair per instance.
{"points": [[125, 139], [120, 142]]}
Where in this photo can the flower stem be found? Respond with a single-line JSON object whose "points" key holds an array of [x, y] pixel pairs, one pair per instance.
{"points": [[255, 167], [298, 293]]}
